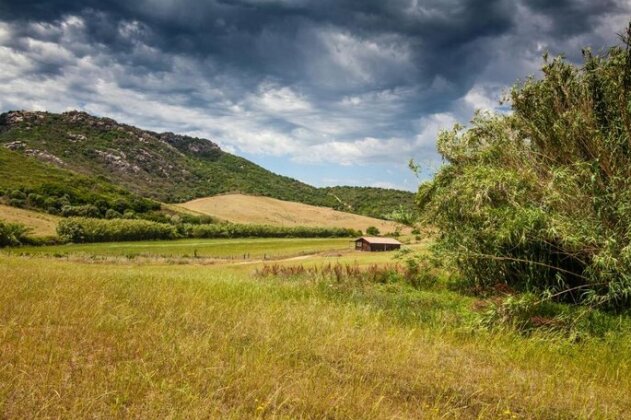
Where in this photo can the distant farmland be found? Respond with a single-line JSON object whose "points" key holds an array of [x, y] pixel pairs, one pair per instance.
{"points": [[240, 208]]}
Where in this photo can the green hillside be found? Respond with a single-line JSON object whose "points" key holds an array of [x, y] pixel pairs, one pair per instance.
{"points": [[48, 154], [370, 201], [27, 182], [165, 166]]}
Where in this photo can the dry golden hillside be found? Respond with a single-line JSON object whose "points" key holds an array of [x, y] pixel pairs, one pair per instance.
{"points": [[42, 224], [239, 208]]}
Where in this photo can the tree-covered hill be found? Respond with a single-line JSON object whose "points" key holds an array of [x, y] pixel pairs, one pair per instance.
{"points": [[80, 149], [27, 182], [162, 166]]}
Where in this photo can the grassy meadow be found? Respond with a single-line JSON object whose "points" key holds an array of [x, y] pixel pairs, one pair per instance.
{"points": [[232, 249], [173, 338]]}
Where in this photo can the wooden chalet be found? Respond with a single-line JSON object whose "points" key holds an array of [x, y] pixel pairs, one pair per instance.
{"points": [[372, 243]]}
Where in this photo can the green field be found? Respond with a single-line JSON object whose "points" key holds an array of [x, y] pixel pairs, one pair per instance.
{"points": [[79, 339], [203, 248]]}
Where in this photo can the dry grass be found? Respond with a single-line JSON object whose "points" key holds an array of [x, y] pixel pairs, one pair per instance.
{"points": [[239, 208], [42, 224], [79, 340]]}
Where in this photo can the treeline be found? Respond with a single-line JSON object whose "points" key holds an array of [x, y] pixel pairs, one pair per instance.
{"points": [[540, 199], [229, 230], [79, 230]]}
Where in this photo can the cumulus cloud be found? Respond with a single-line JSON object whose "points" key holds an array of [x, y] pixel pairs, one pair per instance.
{"points": [[334, 82]]}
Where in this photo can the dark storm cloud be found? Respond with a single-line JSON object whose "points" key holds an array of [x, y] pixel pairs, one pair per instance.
{"points": [[237, 31], [343, 80], [280, 38], [572, 17]]}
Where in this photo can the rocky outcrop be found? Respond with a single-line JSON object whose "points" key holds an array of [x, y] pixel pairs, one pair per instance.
{"points": [[78, 120], [193, 145]]}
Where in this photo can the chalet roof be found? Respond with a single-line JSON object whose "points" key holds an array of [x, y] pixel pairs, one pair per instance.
{"points": [[378, 240]]}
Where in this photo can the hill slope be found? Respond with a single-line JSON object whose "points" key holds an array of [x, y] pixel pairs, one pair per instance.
{"points": [[29, 182], [41, 224], [162, 166], [241, 208], [371, 201]]}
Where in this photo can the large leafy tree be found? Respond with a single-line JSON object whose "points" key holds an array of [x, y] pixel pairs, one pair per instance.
{"points": [[541, 198]]}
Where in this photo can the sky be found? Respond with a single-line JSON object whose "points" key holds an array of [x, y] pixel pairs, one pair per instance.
{"points": [[330, 92]]}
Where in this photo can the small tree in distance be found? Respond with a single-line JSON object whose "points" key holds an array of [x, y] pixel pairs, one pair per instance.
{"points": [[372, 230]]}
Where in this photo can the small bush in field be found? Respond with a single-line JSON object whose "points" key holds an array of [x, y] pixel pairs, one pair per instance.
{"points": [[372, 230], [13, 234]]}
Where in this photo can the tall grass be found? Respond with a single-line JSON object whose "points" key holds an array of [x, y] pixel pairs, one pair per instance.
{"points": [[80, 340]]}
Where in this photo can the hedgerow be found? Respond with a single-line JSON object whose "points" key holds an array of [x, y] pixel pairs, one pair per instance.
{"points": [[228, 230], [79, 229]]}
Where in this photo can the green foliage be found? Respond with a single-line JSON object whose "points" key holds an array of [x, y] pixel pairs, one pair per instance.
{"points": [[381, 203], [28, 183], [402, 215], [79, 230], [372, 230], [163, 167], [13, 234], [541, 199], [226, 230]]}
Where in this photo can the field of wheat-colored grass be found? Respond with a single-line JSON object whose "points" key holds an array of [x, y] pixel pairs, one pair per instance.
{"points": [[240, 208], [79, 339], [41, 224]]}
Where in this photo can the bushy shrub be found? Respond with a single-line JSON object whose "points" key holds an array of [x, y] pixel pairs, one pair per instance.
{"points": [[13, 234], [16, 202], [196, 219], [35, 200], [541, 199], [17, 195], [372, 230], [112, 214], [78, 229], [87, 210]]}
